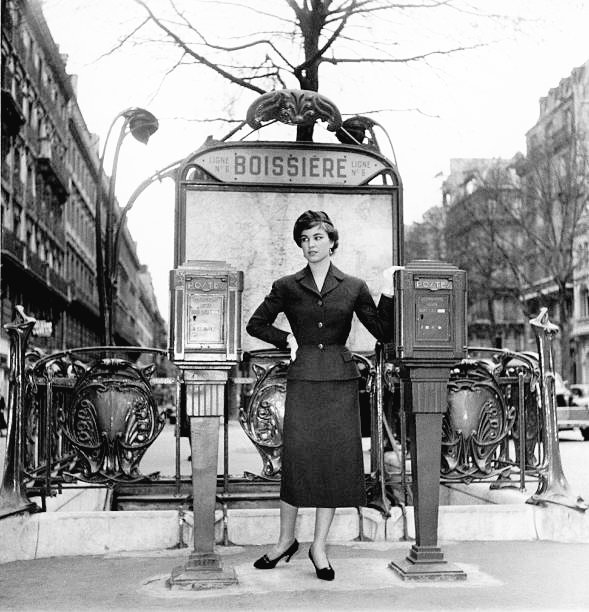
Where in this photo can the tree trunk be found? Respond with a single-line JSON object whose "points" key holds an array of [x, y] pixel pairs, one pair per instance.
{"points": [[565, 312], [309, 80], [493, 327], [308, 73], [305, 133]]}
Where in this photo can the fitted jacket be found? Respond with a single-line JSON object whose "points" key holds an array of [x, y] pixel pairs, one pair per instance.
{"points": [[321, 321]]}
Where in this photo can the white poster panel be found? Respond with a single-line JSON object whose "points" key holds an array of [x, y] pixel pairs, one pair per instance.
{"points": [[252, 231]]}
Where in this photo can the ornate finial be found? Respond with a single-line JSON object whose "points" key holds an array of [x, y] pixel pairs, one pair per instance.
{"points": [[542, 322], [353, 130], [293, 107]]}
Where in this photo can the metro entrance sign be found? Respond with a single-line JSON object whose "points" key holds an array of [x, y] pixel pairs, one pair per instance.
{"points": [[280, 165], [237, 203]]}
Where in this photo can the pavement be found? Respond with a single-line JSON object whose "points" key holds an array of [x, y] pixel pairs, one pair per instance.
{"points": [[536, 575]]}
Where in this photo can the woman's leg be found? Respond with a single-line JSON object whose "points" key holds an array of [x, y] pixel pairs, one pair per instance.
{"points": [[288, 520], [323, 519]]}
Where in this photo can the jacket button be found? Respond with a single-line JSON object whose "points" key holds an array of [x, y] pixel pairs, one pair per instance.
{"points": [[319, 324], [320, 346], [319, 302]]}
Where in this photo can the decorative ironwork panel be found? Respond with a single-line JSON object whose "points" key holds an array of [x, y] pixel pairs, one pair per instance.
{"points": [[264, 414], [525, 368], [478, 420], [112, 420]]}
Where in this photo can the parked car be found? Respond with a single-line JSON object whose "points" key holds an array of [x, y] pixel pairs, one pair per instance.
{"points": [[564, 396], [580, 394], [572, 403], [573, 408]]}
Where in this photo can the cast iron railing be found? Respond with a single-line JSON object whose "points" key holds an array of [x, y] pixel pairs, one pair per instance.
{"points": [[89, 414]]}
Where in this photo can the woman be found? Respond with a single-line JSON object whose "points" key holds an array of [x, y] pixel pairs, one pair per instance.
{"points": [[322, 463]]}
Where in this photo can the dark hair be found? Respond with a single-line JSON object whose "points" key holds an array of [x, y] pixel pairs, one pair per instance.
{"points": [[311, 218]]}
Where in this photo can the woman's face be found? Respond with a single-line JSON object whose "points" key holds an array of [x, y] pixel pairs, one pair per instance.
{"points": [[316, 244]]}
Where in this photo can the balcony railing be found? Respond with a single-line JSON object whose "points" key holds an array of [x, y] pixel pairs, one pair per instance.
{"points": [[11, 244], [12, 117], [58, 282], [37, 265], [52, 166]]}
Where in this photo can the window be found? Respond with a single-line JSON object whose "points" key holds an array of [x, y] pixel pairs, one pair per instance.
{"points": [[584, 301]]}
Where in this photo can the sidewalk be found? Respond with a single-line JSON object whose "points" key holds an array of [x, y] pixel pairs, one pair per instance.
{"points": [[500, 576]]}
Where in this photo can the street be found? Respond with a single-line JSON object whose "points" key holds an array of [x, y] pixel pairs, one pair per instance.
{"points": [[243, 456]]}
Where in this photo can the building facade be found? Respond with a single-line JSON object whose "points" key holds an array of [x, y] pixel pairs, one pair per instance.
{"points": [[546, 196], [557, 189], [50, 180]]}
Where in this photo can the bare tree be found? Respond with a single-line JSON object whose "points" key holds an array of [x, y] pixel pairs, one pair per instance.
{"points": [[425, 239], [304, 35], [476, 232], [515, 231], [550, 216]]}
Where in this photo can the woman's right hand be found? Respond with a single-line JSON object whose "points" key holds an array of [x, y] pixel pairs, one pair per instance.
{"points": [[388, 280], [293, 346]]}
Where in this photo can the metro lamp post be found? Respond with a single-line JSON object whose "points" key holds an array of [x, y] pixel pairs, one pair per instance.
{"points": [[141, 124]]}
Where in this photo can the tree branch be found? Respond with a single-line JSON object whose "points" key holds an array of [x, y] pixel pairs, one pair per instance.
{"points": [[400, 60], [199, 58], [124, 40], [248, 45]]}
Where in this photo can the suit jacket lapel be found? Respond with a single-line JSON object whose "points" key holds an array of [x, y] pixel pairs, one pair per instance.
{"points": [[332, 280], [305, 277]]}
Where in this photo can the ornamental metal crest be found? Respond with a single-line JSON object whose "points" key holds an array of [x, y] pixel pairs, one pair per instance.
{"points": [[293, 107]]}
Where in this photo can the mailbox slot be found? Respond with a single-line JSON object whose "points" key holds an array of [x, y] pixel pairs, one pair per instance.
{"points": [[432, 314], [205, 318]]}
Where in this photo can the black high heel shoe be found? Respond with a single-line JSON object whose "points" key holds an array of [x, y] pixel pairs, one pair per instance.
{"points": [[324, 573], [266, 563]]}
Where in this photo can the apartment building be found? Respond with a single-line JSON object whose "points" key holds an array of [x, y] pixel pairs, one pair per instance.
{"points": [[50, 180], [546, 195], [557, 187]]}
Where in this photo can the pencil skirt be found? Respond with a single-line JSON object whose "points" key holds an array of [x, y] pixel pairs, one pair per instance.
{"points": [[322, 462]]}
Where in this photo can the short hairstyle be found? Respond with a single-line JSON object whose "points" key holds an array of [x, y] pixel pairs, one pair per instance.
{"points": [[311, 218]]}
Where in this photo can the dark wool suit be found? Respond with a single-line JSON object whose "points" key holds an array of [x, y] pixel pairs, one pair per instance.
{"points": [[322, 464]]}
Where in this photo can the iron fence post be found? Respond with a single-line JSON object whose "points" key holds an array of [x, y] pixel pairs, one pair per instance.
{"points": [[553, 486], [13, 497]]}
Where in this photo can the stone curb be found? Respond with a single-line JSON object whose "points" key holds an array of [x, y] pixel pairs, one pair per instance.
{"points": [[55, 534]]}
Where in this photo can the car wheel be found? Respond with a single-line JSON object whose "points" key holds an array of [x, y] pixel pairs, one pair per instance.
{"points": [[585, 433]]}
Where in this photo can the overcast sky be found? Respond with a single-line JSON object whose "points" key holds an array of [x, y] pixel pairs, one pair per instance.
{"points": [[479, 103]]}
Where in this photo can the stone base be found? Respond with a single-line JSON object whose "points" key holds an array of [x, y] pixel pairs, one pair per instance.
{"points": [[16, 505], [425, 564], [202, 571], [425, 554]]}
